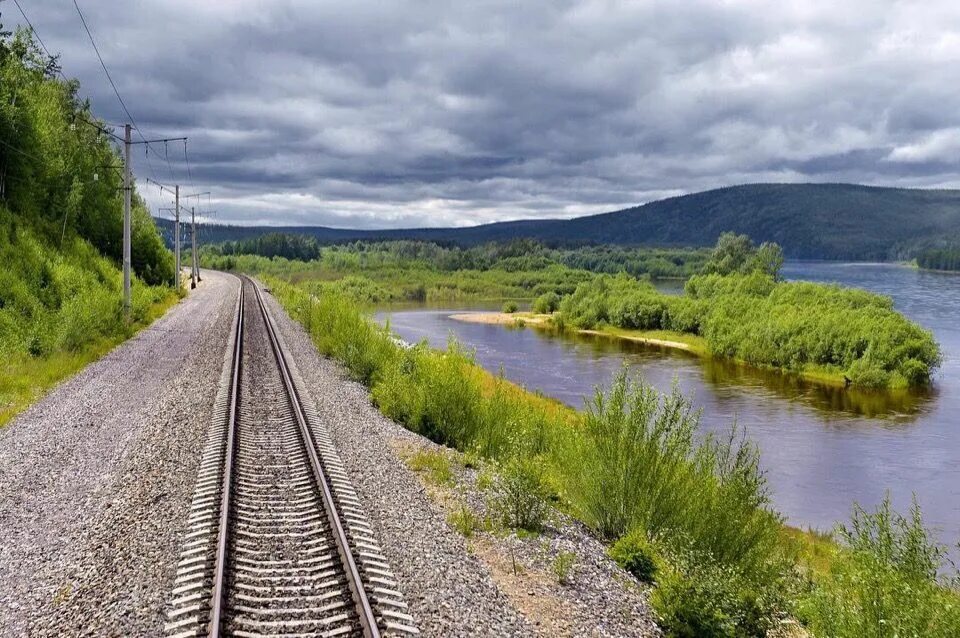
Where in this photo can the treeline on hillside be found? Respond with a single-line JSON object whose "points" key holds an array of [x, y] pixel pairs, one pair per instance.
{"points": [[743, 312], [60, 174], [939, 259], [271, 245], [809, 221], [510, 256]]}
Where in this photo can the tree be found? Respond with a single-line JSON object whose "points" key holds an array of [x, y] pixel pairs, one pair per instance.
{"points": [[769, 259], [736, 254]]}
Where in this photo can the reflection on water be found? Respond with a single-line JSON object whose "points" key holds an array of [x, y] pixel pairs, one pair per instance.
{"points": [[822, 448], [901, 405]]}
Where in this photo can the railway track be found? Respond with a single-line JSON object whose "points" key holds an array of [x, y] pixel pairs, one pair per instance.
{"points": [[276, 543]]}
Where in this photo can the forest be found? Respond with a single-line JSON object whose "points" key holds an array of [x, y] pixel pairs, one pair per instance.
{"points": [[61, 231], [939, 259], [511, 256]]}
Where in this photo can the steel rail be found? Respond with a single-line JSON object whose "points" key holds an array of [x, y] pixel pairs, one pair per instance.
{"points": [[368, 619], [223, 537]]}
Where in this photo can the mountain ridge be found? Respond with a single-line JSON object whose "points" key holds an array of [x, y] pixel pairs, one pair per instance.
{"points": [[810, 221]]}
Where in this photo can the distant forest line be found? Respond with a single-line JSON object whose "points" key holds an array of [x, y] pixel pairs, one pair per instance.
{"points": [[809, 221]]}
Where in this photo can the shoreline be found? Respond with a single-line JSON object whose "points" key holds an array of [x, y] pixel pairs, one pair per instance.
{"points": [[690, 343]]}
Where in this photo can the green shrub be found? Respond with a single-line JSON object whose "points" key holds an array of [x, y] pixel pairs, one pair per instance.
{"points": [[546, 303], [464, 520], [889, 580], [519, 494], [510, 307], [562, 565], [636, 554], [697, 598], [435, 464], [641, 470]]}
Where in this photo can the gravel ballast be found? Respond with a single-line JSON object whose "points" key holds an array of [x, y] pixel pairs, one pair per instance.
{"points": [[96, 478]]}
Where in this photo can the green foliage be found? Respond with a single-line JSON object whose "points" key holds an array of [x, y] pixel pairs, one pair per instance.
{"points": [[464, 520], [510, 307], [284, 245], [885, 582], [640, 467], [636, 554], [736, 254], [55, 168], [519, 494], [382, 272], [697, 597], [939, 259], [59, 299], [60, 307], [792, 325], [435, 464], [546, 303], [754, 318]]}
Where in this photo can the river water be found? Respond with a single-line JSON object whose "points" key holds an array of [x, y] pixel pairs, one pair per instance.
{"points": [[822, 448]]}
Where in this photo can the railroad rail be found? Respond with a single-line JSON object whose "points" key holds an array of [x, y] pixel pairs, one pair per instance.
{"points": [[276, 541]]}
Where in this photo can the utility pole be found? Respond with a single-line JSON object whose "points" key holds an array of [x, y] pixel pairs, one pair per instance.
{"points": [[193, 240], [176, 237], [126, 221]]}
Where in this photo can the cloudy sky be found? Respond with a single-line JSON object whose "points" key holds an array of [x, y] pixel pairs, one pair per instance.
{"points": [[389, 114]]}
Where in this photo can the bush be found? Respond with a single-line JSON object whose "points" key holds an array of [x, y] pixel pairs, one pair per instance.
{"points": [[547, 303], [464, 520], [562, 565], [641, 470], [755, 319], [698, 598], [519, 494], [510, 307], [886, 582], [635, 554]]}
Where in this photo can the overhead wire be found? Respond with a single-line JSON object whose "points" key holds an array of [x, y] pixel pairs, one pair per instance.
{"points": [[30, 24], [116, 92]]}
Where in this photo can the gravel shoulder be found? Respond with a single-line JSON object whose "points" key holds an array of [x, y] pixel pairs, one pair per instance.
{"points": [[457, 586], [96, 478]]}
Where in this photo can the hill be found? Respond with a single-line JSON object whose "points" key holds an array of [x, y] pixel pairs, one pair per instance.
{"points": [[810, 221]]}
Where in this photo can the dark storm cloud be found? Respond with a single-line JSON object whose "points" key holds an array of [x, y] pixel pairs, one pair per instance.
{"points": [[431, 113]]}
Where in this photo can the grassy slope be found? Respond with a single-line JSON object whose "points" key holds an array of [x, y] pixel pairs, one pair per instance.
{"points": [[24, 379], [60, 309]]}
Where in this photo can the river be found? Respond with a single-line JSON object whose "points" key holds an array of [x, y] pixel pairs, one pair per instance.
{"points": [[822, 449]]}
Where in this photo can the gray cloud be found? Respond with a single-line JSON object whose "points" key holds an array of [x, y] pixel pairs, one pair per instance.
{"points": [[373, 114]]}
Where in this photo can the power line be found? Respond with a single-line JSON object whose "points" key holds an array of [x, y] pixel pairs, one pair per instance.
{"points": [[29, 24], [110, 79], [116, 91]]}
